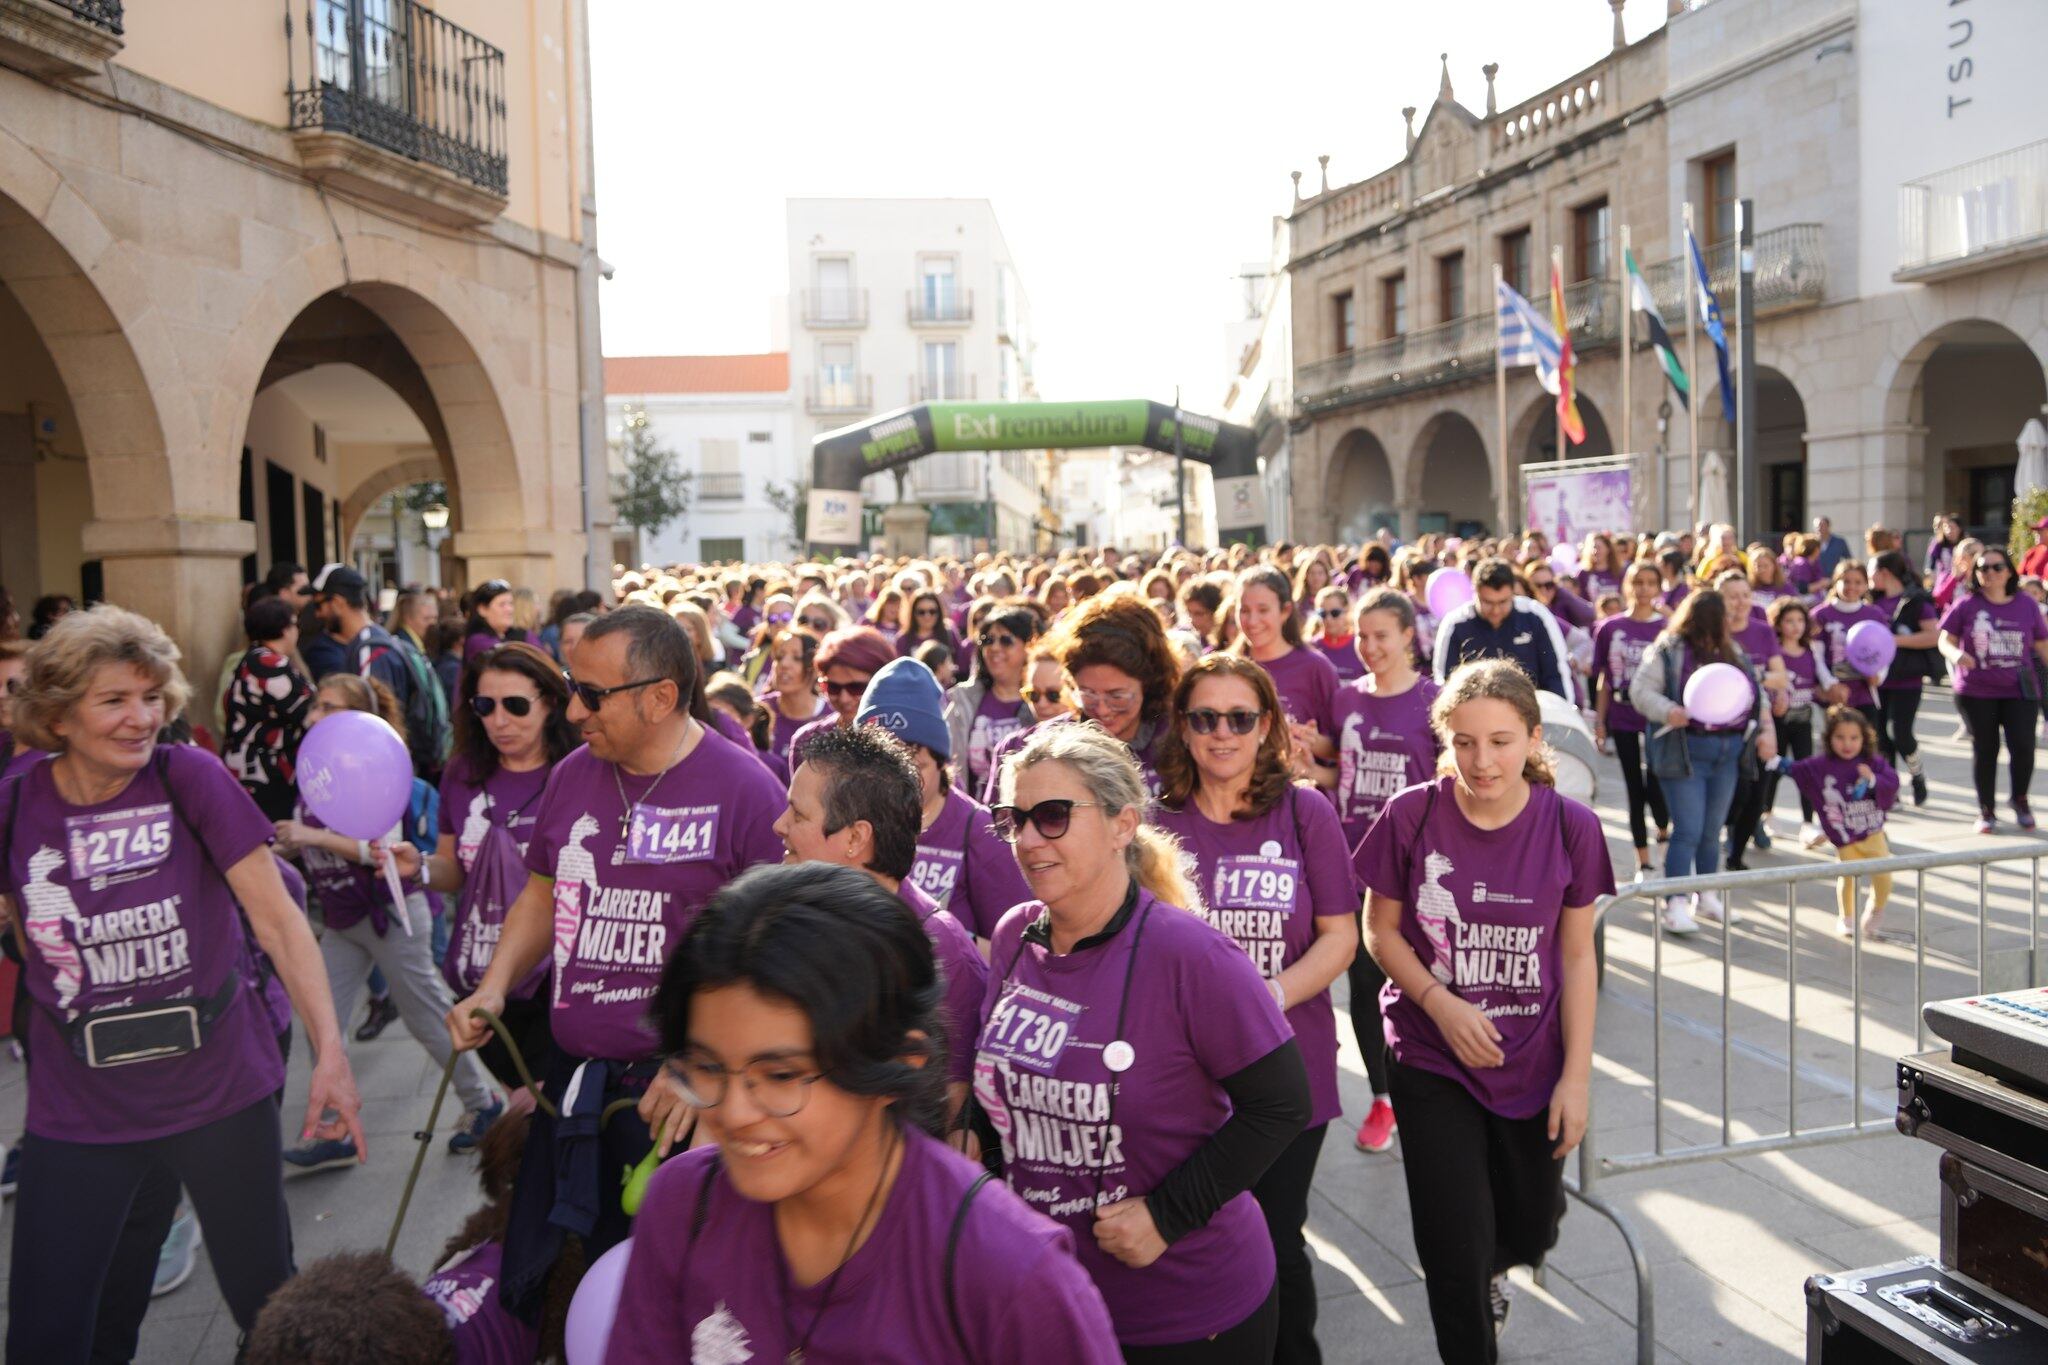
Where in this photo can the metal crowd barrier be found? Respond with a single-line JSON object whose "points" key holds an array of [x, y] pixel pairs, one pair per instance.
{"points": [[1593, 1165]]}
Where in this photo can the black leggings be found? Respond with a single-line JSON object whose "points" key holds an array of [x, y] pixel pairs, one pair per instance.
{"points": [[1251, 1340], [1641, 786], [1986, 717], [1366, 978], [1282, 1193], [71, 1265], [1484, 1194], [1897, 709]]}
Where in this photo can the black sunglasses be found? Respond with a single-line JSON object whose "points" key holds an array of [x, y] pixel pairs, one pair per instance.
{"points": [[990, 639], [821, 624], [1203, 720], [592, 696], [1049, 695], [833, 689], [514, 705], [1332, 613], [1051, 817], [2000, 565]]}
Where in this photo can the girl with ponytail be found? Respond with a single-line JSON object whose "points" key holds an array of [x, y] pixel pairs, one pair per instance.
{"points": [[1480, 890], [1108, 994]]}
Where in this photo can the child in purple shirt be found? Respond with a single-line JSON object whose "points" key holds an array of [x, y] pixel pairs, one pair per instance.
{"points": [[1851, 787]]}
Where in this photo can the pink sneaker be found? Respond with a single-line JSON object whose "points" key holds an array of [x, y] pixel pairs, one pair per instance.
{"points": [[1376, 1134]]}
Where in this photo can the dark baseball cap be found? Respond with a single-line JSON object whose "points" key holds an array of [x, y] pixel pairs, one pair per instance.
{"points": [[340, 579]]}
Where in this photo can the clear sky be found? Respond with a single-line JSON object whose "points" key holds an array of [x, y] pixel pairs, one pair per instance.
{"points": [[1135, 152]]}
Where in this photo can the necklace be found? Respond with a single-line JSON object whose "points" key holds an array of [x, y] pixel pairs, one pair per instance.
{"points": [[796, 1352], [625, 806]]}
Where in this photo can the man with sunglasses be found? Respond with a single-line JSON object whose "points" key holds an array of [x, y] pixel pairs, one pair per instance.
{"points": [[633, 833]]}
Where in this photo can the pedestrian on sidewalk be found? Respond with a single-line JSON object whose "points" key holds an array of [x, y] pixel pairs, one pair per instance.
{"points": [[1852, 787], [1481, 889], [1619, 644], [1992, 637], [1809, 680], [1913, 626]]}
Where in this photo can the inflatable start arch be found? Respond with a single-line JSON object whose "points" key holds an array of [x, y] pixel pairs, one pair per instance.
{"points": [[841, 459]]}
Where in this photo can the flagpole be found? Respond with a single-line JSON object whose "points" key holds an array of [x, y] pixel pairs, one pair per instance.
{"points": [[1692, 367], [1500, 414], [1557, 311], [1628, 316]]}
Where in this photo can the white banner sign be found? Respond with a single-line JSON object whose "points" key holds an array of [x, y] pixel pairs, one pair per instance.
{"points": [[1240, 502], [833, 517]]}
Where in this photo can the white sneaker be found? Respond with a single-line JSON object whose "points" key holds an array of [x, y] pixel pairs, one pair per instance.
{"points": [[1677, 916], [1810, 835], [1643, 872], [1712, 910]]}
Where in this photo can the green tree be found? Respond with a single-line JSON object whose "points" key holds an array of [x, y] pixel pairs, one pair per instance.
{"points": [[654, 490], [793, 500], [418, 497]]}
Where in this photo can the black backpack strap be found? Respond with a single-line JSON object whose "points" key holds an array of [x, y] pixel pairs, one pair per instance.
{"points": [[702, 1213], [952, 1254]]}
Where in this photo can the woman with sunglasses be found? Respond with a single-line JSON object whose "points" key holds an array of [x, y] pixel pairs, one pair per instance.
{"points": [[792, 698], [1539, 578], [491, 609], [777, 612], [825, 1220], [988, 708], [1332, 634], [1118, 668], [924, 618], [511, 729], [1135, 1064], [1991, 637], [1042, 690], [847, 660], [1305, 679], [1271, 859]]}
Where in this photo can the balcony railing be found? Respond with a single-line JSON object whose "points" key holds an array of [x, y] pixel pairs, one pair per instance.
{"points": [[1983, 210], [829, 393], [1790, 273], [721, 487], [395, 74], [941, 388], [835, 307], [952, 305], [104, 14]]}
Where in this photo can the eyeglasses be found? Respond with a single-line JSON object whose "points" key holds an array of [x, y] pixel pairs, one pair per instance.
{"points": [[1049, 695], [1122, 699], [514, 705], [845, 689], [1545, 586], [592, 696], [992, 639], [1052, 818], [778, 1088], [1203, 720]]}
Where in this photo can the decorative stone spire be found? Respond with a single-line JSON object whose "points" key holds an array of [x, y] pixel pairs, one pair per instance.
{"points": [[1490, 70], [1324, 162], [1408, 116], [1296, 176], [1620, 38], [1443, 88]]}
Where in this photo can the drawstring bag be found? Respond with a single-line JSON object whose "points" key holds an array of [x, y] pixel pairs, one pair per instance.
{"points": [[496, 877]]}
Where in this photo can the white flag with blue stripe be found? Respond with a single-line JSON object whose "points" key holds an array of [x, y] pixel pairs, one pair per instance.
{"points": [[1526, 336]]}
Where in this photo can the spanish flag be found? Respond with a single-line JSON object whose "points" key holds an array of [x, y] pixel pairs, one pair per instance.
{"points": [[1571, 431]]}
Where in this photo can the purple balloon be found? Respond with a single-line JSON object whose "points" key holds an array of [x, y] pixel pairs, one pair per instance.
{"points": [[1719, 694], [355, 775], [1871, 648], [1448, 590], [588, 1328], [1565, 560]]}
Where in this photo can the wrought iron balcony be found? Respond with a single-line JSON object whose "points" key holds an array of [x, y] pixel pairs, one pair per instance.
{"points": [[59, 39], [941, 388], [1981, 213], [721, 487], [839, 393], [941, 306], [397, 75], [835, 307], [105, 14], [1791, 272]]}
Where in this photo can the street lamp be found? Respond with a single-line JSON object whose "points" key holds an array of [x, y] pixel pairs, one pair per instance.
{"points": [[434, 516]]}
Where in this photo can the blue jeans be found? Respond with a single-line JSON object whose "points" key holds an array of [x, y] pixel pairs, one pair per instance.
{"points": [[1699, 804]]}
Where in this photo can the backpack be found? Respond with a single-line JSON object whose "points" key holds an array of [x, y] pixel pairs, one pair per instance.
{"points": [[428, 734]]}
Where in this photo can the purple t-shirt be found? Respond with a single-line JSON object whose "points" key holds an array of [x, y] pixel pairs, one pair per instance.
{"points": [[1265, 882], [1383, 745], [785, 728], [965, 869], [1619, 644], [744, 619], [1804, 670], [618, 910], [828, 719], [469, 807], [485, 1331], [1020, 1295], [1675, 594], [1801, 573], [2000, 636], [1342, 656], [347, 890], [1077, 1135], [1144, 748], [120, 907], [1827, 781], [1593, 582], [965, 975], [1481, 908], [1306, 682], [995, 720], [482, 642], [1832, 622], [1759, 642], [1912, 621]]}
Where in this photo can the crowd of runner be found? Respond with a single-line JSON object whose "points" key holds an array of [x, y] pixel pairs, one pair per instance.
{"points": [[928, 930]]}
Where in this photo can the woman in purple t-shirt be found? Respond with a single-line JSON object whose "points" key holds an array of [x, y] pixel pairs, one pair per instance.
{"points": [[847, 660], [1305, 680], [1992, 637], [792, 697], [1274, 874], [123, 863], [1619, 644], [1481, 888], [1134, 1063], [1916, 633], [923, 620], [1331, 635], [826, 1220], [491, 609], [989, 707]]}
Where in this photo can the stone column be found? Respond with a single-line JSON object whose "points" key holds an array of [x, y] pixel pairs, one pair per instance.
{"points": [[906, 528], [1859, 476], [184, 573]]}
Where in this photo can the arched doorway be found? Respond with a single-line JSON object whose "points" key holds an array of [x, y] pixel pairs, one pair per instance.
{"points": [[1539, 427], [1777, 494], [1971, 385], [1451, 477], [1359, 488]]}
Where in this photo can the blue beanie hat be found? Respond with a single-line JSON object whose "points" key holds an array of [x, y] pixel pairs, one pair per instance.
{"points": [[904, 698]]}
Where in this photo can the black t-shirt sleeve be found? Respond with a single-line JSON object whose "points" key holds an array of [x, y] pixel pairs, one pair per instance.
{"points": [[1269, 1107]]}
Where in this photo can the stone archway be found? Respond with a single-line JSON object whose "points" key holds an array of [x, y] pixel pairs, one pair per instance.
{"points": [[1962, 393], [1534, 436], [1449, 477], [1777, 495], [1359, 488]]}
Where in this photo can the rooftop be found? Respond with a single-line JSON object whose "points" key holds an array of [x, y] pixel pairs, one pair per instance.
{"points": [[645, 374]]}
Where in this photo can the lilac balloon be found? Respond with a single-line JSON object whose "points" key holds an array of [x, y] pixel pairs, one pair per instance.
{"points": [[1448, 590], [588, 1328], [1871, 647], [355, 775], [1565, 560], [1719, 694]]}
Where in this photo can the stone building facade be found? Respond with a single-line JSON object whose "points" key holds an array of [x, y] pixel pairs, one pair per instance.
{"points": [[362, 240], [1898, 354]]}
